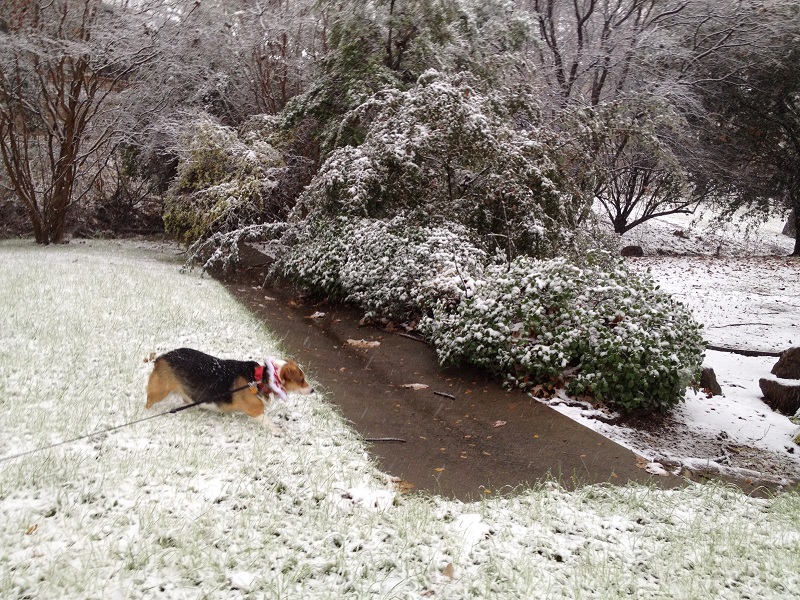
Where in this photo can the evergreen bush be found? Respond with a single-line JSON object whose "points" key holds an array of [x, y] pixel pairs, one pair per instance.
{"points": [[226, 181], [607, 334], [600, 330], [447, 151], [393, 269]]}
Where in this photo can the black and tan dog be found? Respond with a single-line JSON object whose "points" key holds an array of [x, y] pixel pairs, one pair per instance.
{"points": [[226, 385]]}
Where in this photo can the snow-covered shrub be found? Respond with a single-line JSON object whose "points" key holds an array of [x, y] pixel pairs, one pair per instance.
{"points": [[315, 255], [445, 151], [226, 181], [593, 243], [391, 268], [607, 334]]}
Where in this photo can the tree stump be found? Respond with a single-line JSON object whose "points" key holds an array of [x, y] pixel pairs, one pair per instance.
{"points": [[708, 381]]}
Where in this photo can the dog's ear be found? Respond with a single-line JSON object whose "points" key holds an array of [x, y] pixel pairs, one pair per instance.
{"points": [[293, 378], [292, 373]]}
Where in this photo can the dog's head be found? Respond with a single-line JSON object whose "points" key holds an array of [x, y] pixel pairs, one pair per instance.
{"points": [[292, 378]]}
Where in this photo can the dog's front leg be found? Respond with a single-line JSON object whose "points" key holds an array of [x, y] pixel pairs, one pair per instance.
{"points": [[264, 420], [266, 423]]}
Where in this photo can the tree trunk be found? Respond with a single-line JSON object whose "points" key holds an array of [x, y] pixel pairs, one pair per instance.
{"points": [[620, 223], [794, 219], [37, 224]]}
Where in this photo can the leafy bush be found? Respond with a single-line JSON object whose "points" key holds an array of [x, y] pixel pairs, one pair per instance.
{"points": [[227, 180], [393, 268], [446, 151], [608, 334], [603, 331], [220, 253], [226, 206], [594, 243]]}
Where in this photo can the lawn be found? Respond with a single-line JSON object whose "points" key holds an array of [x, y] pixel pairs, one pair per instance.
{"points": [[203, 505]]}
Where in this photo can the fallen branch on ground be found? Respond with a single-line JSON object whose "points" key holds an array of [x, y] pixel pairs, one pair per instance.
{"points": [[744, 352]]}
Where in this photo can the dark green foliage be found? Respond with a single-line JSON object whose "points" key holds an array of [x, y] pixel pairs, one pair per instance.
{"points": [[607, 334]]}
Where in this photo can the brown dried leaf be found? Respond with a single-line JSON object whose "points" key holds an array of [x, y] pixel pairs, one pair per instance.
{"points": [[404, 487]]}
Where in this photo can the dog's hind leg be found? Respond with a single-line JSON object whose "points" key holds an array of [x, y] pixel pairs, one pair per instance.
{"points": [[162, 383]]}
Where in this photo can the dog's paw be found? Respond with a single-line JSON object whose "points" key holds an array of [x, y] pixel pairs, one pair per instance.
{"points": [[265, 422], [272, 428]]}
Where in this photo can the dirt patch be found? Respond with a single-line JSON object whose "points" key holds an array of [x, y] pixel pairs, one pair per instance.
{"points": [[669, 442]]}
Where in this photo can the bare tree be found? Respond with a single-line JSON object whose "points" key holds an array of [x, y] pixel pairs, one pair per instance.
{"points": [[634, 67], [637, 174], [594, 50], [63, 67], [237, 58]]}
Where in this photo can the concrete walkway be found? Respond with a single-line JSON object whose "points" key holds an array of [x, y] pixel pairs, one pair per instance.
{"points": [[465, 436]]}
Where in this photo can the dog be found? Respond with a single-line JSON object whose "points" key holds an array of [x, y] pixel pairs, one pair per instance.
{"points": [[224, 385]]}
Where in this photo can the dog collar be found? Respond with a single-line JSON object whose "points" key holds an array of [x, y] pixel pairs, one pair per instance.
{"points": [[269, 372]]}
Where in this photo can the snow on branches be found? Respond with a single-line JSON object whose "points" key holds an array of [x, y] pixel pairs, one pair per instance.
{"points": [[447, 151]]}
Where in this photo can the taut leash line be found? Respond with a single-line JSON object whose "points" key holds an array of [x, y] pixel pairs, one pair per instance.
{"points": [[177, 409]]}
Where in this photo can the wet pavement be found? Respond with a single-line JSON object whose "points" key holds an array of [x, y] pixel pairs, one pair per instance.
{"points": [[464, 436]]}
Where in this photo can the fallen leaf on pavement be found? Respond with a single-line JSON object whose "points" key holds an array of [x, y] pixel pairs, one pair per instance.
{"points": [[414, 386], [363, 343], [404, 487]]}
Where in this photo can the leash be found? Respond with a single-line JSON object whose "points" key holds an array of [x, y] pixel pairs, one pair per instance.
{"points": [[177, 409], [173, 411]]}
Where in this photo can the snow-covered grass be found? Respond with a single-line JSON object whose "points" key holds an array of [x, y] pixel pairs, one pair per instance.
{"points": [[202, 505]]}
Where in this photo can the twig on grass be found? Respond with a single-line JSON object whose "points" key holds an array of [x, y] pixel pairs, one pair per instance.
{"points": [[409, 336]]}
